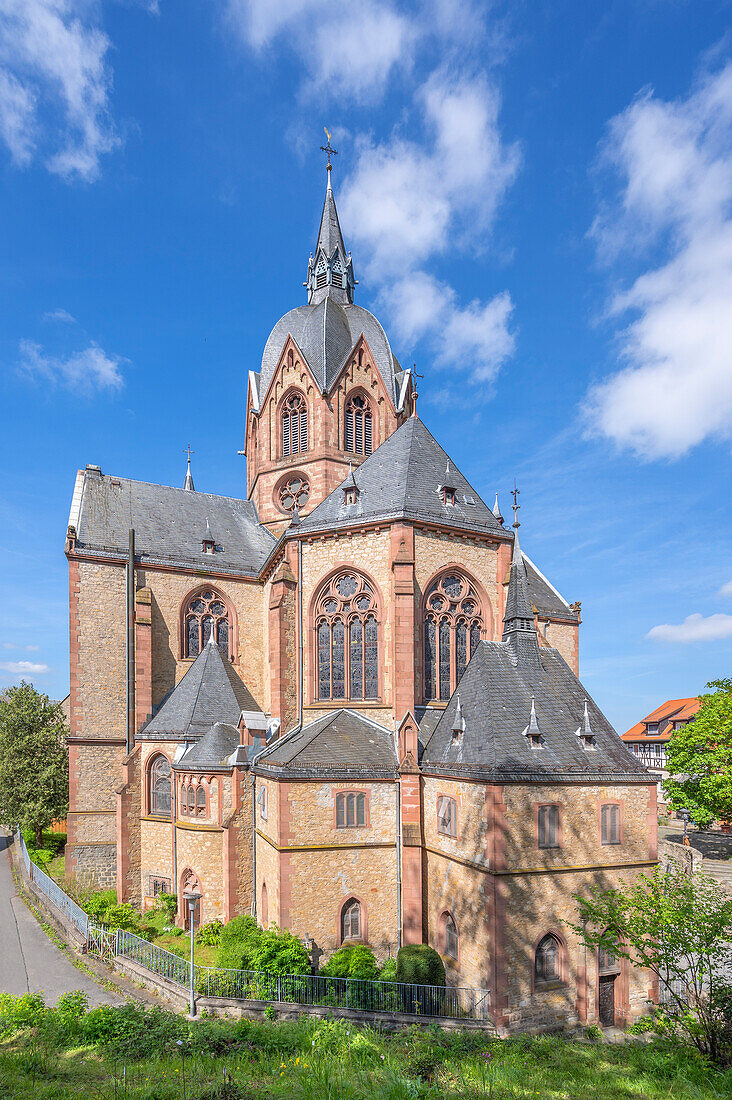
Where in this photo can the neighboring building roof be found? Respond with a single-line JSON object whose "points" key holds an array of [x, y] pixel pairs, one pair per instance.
{"points": [[403, 479], [673, 710], [341, 743], [209, 692], [169, 524], [496, 693], [326, 333]]}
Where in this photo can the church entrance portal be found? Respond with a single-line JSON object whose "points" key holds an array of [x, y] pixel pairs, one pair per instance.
{"points": [[606, 1000]]}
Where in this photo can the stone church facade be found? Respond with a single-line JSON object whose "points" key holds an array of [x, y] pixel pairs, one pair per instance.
{"points": [[347, 704]]}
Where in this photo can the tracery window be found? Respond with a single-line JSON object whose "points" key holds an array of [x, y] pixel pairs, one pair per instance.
{"points": [[294, 491], [350, 810], [359, 428], [294, 425], [206, 612], [453, 624], [351, 920], [160, 786], [347, 639], [449, 936], [547, 961]]}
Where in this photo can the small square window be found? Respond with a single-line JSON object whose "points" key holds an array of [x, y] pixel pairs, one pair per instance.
{"points": [[448, 496], [158, 885]]}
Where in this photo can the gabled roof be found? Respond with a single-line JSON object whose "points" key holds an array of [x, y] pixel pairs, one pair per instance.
{"points": [[209, 692], [676, 710], [341, 743], [212, 752], [169, 524], [496, 693], [403, 479]]}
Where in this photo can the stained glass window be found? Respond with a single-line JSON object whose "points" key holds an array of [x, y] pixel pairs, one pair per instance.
{"points": [[351, 920], [453, 624], [160, 786], [205, 612], [450, 937], [546, 960], [294, 491], [200, 800], [359, 426], [294, 425], [346, 636]]}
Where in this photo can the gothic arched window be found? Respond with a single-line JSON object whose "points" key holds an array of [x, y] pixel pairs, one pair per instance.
{"points": [[359, 431], [453, 623], [547, 960], [449, 936], [205, 612], [200, 801], [294, 425], [160, 786], [347, 639], [607, 962], [351, 920]]}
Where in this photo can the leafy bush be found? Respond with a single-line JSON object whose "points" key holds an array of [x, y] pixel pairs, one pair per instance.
{"points": [[42, 856], [208, 935], [388, 971], [237, 942], [168, 903], [70, 1010], [279, 952], [419, 964], [99, 902], [133, 1031], [352, 961], [16, 1013], [122, 916]]}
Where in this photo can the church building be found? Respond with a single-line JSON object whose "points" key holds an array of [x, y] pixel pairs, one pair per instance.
{"points": [[349, 703]]}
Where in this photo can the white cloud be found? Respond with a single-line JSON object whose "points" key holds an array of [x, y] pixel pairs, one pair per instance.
{"points": [[407, 203], [82, 371], [27, 648], [62, 315], [347, 49], [23, 668], [695, 628], [54, 78], [726, 589], [674, 389]]}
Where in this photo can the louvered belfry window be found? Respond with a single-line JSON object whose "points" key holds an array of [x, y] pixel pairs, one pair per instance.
{"points": [[347, 639], [453, 623], [359, 426], [294, 425]]}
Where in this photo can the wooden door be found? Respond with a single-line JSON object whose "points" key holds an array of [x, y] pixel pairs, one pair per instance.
{"points": [[606, 1000]]}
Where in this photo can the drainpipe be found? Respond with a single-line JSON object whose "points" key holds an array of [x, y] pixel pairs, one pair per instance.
{"points": [[174, 808], [301, 691], [399, 862], [131, 643], [254, 847]]}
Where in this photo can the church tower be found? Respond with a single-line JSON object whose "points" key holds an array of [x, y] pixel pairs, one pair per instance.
{"points": [[328, 392]]}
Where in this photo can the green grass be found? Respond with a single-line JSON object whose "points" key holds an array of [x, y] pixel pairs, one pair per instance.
{"points": [[331, 1060]]}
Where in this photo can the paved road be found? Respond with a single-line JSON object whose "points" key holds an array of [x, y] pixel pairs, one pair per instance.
{"points": [[29, 960], [715, 847]]}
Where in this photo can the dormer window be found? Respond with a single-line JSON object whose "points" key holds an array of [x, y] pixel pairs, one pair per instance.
{"points": [[208, 543], [448, 496], [350, 494]]}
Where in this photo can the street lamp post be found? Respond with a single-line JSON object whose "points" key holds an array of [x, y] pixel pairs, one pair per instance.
{"points": [[192, 899], [685, 815]]}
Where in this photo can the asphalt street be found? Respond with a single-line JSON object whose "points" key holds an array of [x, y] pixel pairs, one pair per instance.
{"points": [[29, 961]]}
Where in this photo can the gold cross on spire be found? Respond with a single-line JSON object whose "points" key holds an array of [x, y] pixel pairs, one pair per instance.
{"points": [[328, 149]]}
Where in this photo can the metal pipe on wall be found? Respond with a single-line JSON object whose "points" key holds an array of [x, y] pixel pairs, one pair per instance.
{"points": [[399, 862], [130, 740], [254, 848], [301, 689]]}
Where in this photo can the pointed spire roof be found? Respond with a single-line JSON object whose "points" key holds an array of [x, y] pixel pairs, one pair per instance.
{"points": [[188, 483], [330, 270], [497, 511], [519, 630]]}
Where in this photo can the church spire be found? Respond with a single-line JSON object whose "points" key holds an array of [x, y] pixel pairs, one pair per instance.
{"points": [[188, 483], [330, 269], [519, 631]]}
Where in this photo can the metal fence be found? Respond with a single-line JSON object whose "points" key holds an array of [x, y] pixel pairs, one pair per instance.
{"points": [[308, 989], [43, 882]]}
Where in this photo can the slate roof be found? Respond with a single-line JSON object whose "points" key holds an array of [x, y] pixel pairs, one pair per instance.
{"points": [[496, 693], [403, 479], [342, 743], [326, 334], [212, 752], [169, 524], [209, 692], [544, 597]]}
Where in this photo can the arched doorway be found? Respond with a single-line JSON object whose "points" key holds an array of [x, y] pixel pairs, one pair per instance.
{"points": [[608, 970]]}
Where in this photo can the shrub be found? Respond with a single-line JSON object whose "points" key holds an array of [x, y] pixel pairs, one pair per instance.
{"points": [[168, 903], [99, 902], [208, 935], [42, 856], [122, 916], [237, 942], [70, 1011], [352, 961], [16, 1013], [419, 964], [279, 952], [388, 971], [339, 964]]}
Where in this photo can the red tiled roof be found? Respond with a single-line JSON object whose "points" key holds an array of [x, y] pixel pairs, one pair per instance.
{"points": [[675, 709]]}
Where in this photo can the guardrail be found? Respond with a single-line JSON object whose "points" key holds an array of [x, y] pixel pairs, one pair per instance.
{"points": [[43, 882], [306, 989]]}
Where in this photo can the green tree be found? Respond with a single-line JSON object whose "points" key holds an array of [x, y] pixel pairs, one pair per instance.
{"points": [[680, 927], [34, 760], [702, 751]]}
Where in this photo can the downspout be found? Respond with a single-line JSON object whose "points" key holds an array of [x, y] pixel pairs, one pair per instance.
{"points": [[301, 691], [131, 644], [254, 847], [174, 809], [399, 861]]}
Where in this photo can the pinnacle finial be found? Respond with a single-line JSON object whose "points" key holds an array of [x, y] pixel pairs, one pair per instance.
{"points": [[188, 483], [515, 494], [330, 152], [497, 511]]}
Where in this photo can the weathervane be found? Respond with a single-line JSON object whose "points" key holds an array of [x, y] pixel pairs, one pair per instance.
{"points": [[515, 494], [328, 149], [415, 394]]}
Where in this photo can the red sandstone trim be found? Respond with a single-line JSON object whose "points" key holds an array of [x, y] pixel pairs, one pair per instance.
{"points": [[563, 961]]}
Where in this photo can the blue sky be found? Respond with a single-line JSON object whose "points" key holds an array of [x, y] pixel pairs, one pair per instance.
{"points": [[537, 197]]}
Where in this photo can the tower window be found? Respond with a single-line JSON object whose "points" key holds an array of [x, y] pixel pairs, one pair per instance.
{"points": [[293, 491], [359, 426], [294, 425]]}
